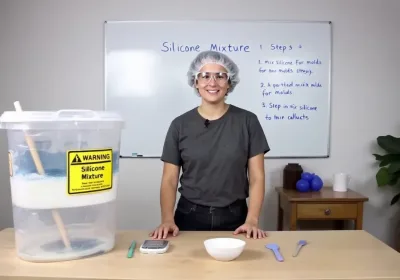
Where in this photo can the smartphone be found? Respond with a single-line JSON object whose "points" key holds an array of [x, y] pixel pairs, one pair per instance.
{"points": [[154, 246]]}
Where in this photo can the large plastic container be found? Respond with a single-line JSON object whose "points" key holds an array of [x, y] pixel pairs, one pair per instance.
{"points": [[64, 170]]}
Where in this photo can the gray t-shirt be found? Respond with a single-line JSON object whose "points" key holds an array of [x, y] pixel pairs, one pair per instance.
{"points": [[214, 157]]}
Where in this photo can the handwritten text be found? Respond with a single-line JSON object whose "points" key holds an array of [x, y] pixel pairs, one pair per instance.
{"points": [[176, 47]]}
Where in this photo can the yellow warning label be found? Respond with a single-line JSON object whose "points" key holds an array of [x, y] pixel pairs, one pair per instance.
{"points": [[89, 171]]}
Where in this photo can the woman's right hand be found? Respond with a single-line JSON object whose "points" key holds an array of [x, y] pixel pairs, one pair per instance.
{"points": [[161, 232]]}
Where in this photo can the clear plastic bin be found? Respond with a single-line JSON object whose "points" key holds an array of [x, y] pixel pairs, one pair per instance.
{"points": [[64, 170]]}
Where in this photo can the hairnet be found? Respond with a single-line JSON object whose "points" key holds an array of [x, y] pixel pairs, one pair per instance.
{"points": [[206, 57]]}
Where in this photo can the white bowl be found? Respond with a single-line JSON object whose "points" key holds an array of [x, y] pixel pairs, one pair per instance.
{"points": [[224, 249]]}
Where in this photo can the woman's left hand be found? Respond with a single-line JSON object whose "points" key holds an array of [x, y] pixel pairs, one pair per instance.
{"points": [[251, 230]]}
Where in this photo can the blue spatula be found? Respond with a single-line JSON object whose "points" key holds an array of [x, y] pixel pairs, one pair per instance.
{"points": [[275, 249], [300, 244]]}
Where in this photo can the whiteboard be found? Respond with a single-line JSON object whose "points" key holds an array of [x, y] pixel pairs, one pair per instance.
{"points": [[285, 70]]}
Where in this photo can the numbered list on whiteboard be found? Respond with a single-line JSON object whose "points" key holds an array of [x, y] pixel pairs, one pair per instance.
{"points": [[289, 82]]}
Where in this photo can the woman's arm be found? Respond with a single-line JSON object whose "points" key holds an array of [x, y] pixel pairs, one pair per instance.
{"points": [[169, 185], [258, 146], [257, 188]]}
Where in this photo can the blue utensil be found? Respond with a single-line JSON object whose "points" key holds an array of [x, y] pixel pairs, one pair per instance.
{"points": [[275, 249], [300, 244]]}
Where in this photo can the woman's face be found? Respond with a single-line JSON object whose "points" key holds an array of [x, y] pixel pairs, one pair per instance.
{"points": [[212, 83]]}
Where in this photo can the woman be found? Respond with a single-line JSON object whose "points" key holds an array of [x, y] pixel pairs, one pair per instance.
{"points": [[216, 145]]}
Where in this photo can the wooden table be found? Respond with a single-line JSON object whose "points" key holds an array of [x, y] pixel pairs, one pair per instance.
{"points": [[323, 205], [329, 255]]}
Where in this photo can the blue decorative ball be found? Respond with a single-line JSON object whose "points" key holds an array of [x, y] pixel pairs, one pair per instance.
{"points": [[307, 176], [303, 185], [316, 184]]}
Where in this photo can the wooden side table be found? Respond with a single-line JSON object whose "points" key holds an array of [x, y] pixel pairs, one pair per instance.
{"points": [[323, 205]]}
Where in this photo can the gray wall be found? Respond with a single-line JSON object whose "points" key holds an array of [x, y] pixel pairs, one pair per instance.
{"points": [[51, 49]]}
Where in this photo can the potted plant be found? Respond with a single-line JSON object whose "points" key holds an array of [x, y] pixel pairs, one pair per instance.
{"points": [[388, 173], [389, 164]]}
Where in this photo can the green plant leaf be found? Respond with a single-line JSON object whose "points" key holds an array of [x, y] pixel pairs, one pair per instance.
{"points": [[395, 199], [378, 157], [389, 143], [393, 178], [387, 159], [382, 177], [385, 178], [394, 167]]}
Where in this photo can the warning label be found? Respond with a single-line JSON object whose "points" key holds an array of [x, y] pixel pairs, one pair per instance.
{"points": [[89, 171]]}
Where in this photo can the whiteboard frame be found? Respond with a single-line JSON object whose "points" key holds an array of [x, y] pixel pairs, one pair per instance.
{"points": [[230, 20]]}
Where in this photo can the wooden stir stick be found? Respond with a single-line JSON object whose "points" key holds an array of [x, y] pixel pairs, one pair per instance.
{"points": [[35, 155]]}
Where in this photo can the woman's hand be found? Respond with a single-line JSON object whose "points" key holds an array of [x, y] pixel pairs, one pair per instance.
{"points": [[162, 231], [251, 229]]}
